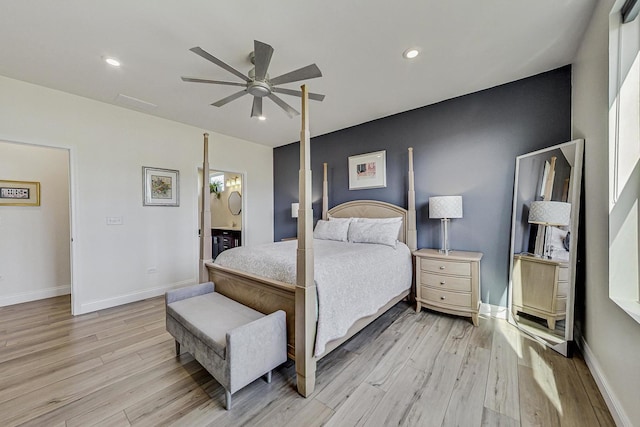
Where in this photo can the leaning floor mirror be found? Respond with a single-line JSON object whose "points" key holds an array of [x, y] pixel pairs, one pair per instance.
{"points": [[544, 237]]}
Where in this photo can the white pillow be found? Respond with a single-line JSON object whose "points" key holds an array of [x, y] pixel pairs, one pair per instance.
{"points": [[384, 233], [379, 220], [556, 237], [336, 219], [331, 230]]}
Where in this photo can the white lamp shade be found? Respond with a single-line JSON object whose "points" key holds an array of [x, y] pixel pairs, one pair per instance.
{"points": [[445, 207], [294, 210], [550, 213]]}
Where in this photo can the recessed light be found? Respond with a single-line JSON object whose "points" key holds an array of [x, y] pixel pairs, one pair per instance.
{"points": [[411, 53], [113, 62], [262, 118]]}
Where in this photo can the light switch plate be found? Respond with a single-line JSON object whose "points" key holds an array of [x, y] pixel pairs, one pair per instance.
{"points": [[114, 220]]}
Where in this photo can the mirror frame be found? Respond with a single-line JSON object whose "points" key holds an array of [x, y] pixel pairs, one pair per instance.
{"points": [[562, 347], [239, 196]]}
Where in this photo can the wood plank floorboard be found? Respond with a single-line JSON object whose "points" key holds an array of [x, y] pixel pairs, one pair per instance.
{"points": [[117, 367]]}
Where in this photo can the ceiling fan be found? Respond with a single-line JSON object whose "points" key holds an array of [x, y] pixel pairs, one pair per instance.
{"points": [[257, 82]]}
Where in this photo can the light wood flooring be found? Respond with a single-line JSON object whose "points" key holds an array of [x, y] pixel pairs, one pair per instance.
{"points": [[117, 367]]}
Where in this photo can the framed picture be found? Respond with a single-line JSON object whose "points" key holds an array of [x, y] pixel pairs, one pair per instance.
{"points": [[160, 187], [368, 170], [19, 193]]}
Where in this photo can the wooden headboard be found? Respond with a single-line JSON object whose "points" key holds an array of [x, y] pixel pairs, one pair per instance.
{"points": [[372, 209]]}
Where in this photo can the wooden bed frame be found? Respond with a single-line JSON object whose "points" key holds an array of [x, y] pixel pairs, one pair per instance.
{"points": [[299, 300]]}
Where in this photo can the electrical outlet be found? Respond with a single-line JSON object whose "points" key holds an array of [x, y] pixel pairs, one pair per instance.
{"points": [[114, 220], [152, 270]]}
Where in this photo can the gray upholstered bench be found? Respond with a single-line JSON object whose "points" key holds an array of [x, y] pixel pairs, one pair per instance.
{"points": [[235, 343]]}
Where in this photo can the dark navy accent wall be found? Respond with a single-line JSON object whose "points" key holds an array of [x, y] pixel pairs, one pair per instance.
{"points": [[464, 146]]}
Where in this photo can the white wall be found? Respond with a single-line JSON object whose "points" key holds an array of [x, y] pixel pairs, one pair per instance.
{"points": [[109, 145], [611, 337], [34, 240]]}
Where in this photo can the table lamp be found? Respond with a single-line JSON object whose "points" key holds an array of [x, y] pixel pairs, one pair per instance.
{"points": [[445, 208], [548, 213]]}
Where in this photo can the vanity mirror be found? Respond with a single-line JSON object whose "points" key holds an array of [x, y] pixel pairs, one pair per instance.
{"points": [[544, 236], [235, 203]]}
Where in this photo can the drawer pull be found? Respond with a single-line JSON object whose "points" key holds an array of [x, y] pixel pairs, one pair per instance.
{"points": [[442, 267], [442, 282], [443, 297]]}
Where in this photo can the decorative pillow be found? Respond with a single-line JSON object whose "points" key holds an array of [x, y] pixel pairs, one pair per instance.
{"points": [[556, 243], [566, 242], [336, 219], [384, 233], [378, 220], [331, 230]]}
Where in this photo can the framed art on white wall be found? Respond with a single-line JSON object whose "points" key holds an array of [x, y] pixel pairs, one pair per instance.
{"points": [[160, 187], [19, 193], [368, 170]]}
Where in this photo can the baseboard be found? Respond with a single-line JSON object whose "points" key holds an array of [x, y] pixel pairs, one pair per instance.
{"points": [[35, 295], [132, 297], [617, 412], [493, 311]]}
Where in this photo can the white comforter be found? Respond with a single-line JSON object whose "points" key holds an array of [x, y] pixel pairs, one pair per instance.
{"points": [[353, 280]]}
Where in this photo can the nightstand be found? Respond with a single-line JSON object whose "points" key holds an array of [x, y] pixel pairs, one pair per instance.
{"points": [[448, 283], [540, 287]]}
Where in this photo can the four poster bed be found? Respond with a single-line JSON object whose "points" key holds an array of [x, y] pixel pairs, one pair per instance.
{"points": [[311, 313]]}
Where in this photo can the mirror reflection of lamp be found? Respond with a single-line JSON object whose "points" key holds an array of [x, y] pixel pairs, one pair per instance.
{"points": [[547, 214], [445, 208]]}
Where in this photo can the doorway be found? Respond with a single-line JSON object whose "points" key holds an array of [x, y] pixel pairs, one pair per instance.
{"points": [[35, 249], [227, 216]]}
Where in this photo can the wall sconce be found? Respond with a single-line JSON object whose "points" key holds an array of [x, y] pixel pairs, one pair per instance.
{"points": [[445, 207], [233, 182], [294, 210]]}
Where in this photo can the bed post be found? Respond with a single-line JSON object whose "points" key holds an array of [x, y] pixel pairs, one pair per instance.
{"points": [[305, 284], [205, 216], [325, 193], [412, 234]]}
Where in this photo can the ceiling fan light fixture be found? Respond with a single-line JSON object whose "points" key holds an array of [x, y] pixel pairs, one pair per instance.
{"points": [[411, 53], [112, 61]]}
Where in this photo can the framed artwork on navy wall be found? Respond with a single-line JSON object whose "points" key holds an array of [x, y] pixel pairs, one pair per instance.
{"points": [[368, 170]]}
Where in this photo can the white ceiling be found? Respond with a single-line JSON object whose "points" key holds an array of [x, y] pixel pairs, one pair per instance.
{"points": [[466, 46]]}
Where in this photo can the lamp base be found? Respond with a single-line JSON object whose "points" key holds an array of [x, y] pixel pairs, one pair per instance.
{"points": [[444, 236]]}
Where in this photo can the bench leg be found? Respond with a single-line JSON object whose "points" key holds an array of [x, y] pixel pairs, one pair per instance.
{"points": [[177, 348], [268, 377], [227, 397]]}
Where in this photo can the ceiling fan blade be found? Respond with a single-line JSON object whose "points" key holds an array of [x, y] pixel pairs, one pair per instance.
{"points": [[217, 82], [309, 72], [206, 55], [286, 107], [256, 110], [314, 96], [262, 53], [229, 98]]}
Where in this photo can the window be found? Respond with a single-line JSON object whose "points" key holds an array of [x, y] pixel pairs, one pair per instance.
{"points": [[624, 163]]}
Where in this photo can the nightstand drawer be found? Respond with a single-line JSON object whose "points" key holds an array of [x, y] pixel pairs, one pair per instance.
{"points": [[458, 299], [446, 267], [563, 289], [563, 274], [445, 282]]}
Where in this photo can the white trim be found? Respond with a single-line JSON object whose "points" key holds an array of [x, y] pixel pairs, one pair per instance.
{"points": [[616, 409], [35, 295], [132, 297]]}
